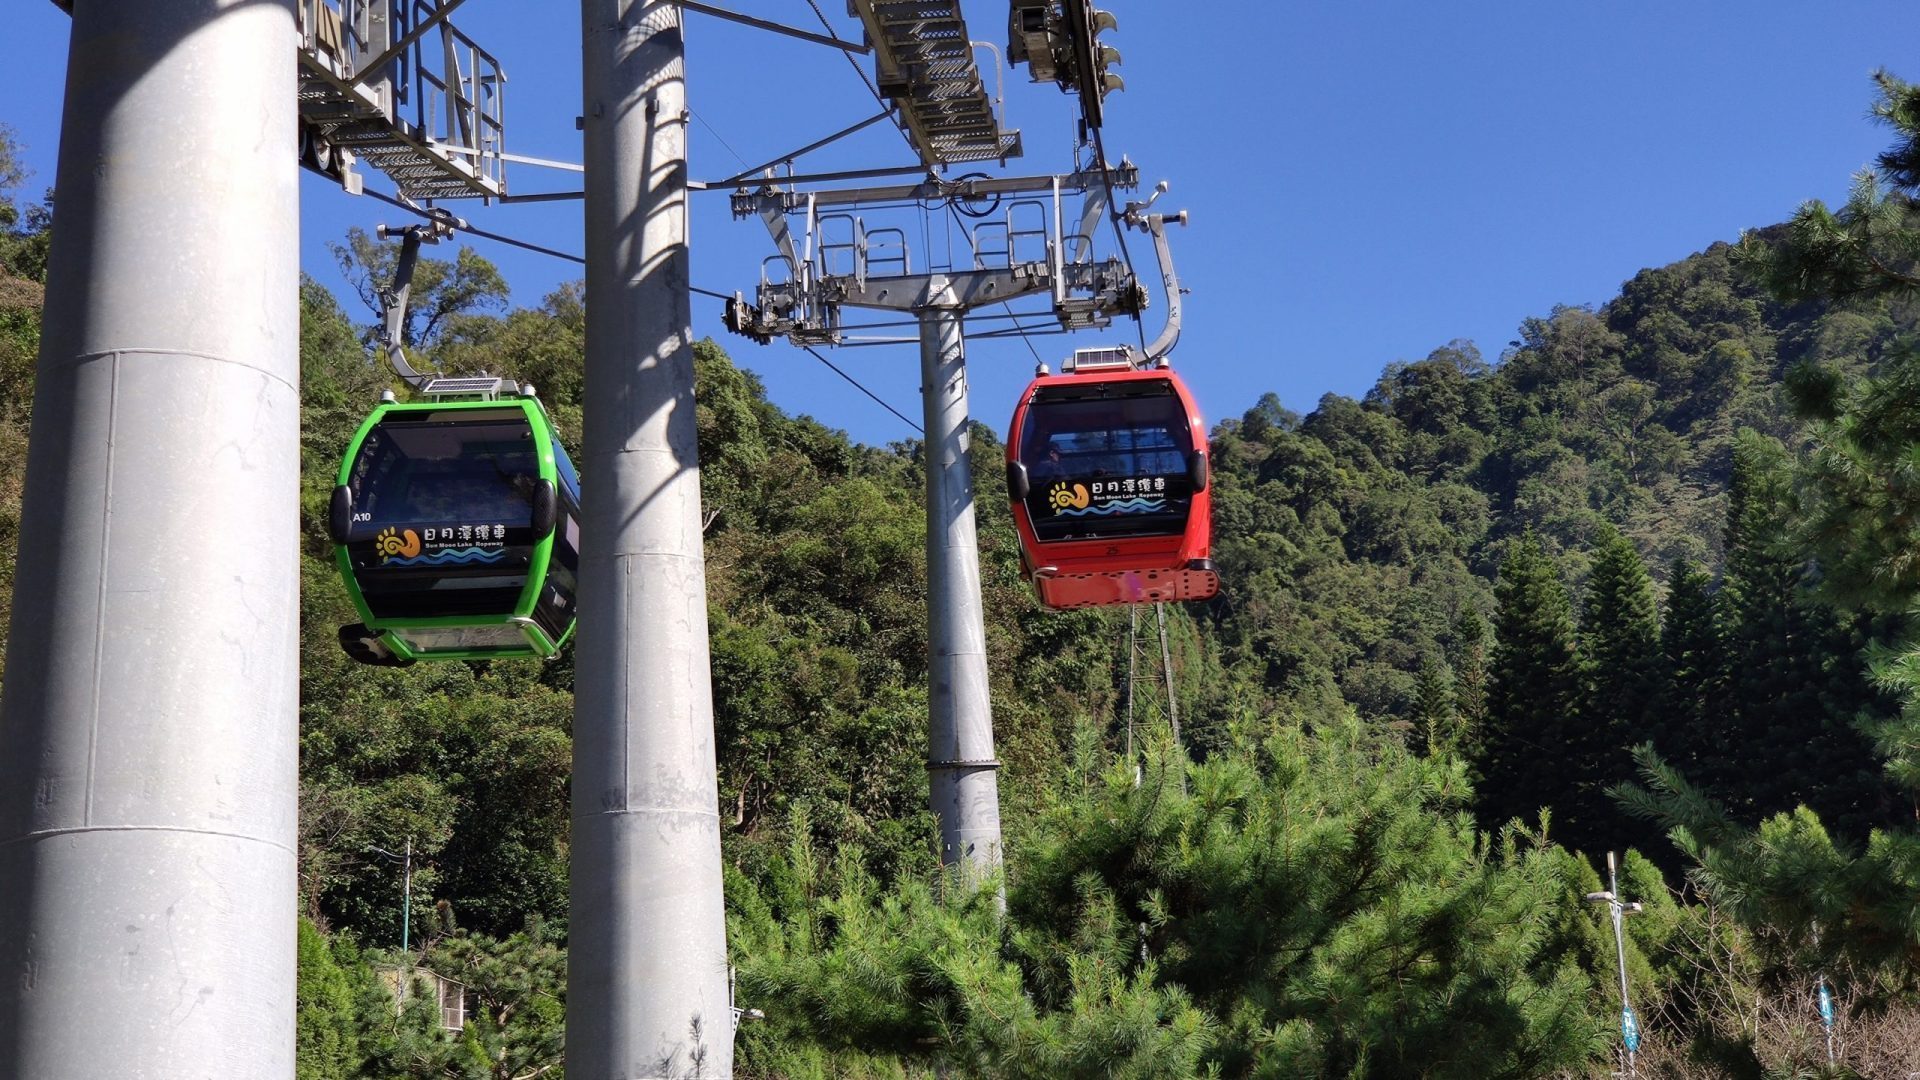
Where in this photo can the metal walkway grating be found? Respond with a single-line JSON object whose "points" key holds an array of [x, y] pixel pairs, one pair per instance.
{"points": [[427, 117], [925, 61]]}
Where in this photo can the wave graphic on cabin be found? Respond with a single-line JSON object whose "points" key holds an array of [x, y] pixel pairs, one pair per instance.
{"points": [[453, 557], [1124, 506]]}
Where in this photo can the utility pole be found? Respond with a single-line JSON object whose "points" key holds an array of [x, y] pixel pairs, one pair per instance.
{"points": [[406, 891], [148, 731], [647, 978], [1619, 909]]}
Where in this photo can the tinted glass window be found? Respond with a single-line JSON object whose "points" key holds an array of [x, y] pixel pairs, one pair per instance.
{"points": [[422, 473], [443, 509], [569, 480], [1107, 460]]}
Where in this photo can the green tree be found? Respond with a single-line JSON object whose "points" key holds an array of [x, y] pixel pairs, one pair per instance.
{"points": [[1467, 656], [1318, 905], [1794, 673], [25, 228], [1533, 691], [1436, 721], [1620, 690], [1815, 900], [443, 290], [326, 1032], [513, 990], [1694, 723]]}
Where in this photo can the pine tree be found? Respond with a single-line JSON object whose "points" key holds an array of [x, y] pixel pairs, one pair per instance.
{"points": [[1619, 690], [1778, 651], [1532, 692], [1436, 723], [1313, 906], [1693, 715], [327, 1041], [1467, 656], [1792, 667]]}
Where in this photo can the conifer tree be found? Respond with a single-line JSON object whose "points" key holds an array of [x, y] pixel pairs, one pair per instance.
{"points": [[1467, 656], [1776, 643], [1694, 720], [1856, 507], [1619, 689], [327, 1042], [1312, 906], [1532, 692], [1436, 724]]}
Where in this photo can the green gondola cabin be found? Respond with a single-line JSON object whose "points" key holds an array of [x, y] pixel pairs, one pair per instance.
{"points": [[456, 524]]}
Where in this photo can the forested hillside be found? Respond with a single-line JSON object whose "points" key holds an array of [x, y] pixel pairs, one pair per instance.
{"points": [[1656, 542]]}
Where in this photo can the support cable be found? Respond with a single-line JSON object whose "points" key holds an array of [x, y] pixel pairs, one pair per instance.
{"points": [[749, 172], [463, 226], [856, 383], [862, 72], [711, 130], [833, 40]]}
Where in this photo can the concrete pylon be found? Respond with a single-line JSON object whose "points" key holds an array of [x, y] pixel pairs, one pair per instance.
{"points": [[963, 771], [647, 981], [149, 726]]}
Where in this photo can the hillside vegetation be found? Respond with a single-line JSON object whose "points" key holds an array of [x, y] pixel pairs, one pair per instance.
{"points": [[1639, 585]]}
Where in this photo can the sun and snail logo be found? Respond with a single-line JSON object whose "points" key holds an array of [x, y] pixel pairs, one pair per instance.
{"points": [[1065, 497], [404, 544], [1118, 497]]}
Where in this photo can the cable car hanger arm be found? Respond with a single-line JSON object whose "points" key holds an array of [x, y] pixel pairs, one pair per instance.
{"points": [[1155, 225], [394, 300]]}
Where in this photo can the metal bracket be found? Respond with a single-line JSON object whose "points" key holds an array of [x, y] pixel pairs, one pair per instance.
{"points": [[394, 299], [1155, 225]]}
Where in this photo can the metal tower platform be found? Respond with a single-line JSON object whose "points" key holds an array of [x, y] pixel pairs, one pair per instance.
{"points": [[925, 63], [429, 118]]}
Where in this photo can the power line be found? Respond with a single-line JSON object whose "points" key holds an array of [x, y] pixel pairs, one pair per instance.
{"points": [[864, 390]]}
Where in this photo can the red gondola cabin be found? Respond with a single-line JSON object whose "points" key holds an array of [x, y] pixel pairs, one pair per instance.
{"points": [[1107, 471]]}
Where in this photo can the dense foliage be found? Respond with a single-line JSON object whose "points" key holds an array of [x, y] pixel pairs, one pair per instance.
{"points": [[1658, 539]]}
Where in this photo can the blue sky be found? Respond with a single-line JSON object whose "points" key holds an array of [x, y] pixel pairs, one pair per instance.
{"points": [[1367, 180]]}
